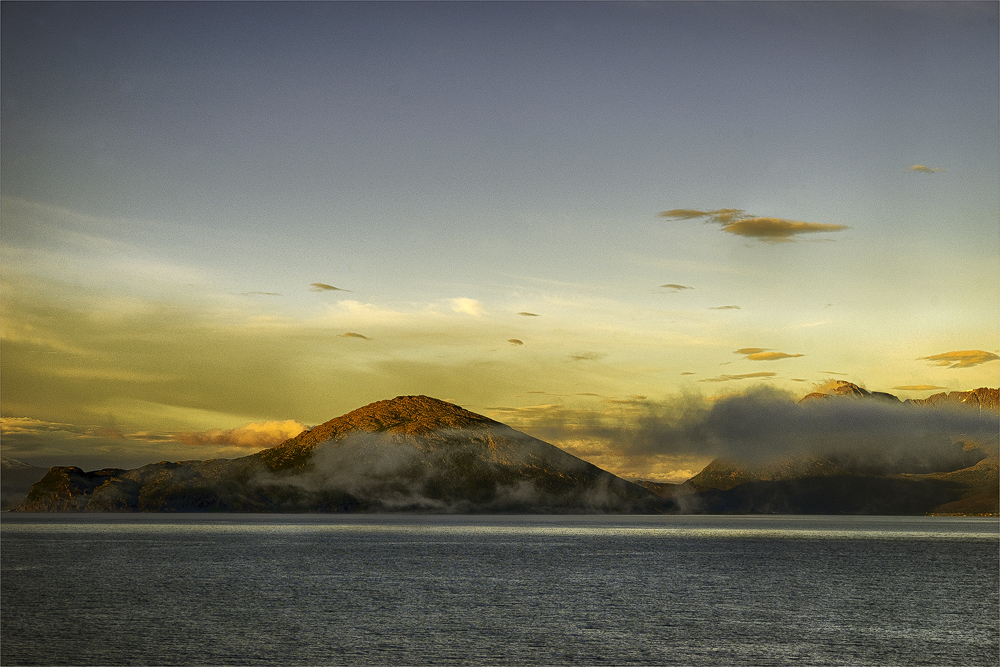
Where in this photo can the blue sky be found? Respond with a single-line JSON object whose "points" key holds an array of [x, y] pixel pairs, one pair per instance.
{"points": [[177, 179]]}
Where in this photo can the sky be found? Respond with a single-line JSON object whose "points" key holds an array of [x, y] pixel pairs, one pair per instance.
{"points": [[221, 223]]}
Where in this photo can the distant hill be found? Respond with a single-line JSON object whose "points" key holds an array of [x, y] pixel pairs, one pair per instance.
{"points": [[411, 453], [960, 480]]}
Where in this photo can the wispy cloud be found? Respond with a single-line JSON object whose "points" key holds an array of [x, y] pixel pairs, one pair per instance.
{"points": [[918, 387], [961, 358], [587, 356], [252, 436], [506, 412], [724, 308], [258, 434], [260, 293], [924, 169], [737, 221], [515, 341], [13, 425], [742, 376], [351, 334], [675, 287], [763, 354], [467, 306], [26, 426], [526, 314], [323, 287], [638, 399]]}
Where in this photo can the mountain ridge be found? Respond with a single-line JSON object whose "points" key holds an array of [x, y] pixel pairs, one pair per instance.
{"points": [[964, 479], [411, 453], [417, 453]]}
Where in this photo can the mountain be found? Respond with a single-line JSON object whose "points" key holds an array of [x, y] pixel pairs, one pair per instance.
{"points": [[16, 478], [960, 479], [983, 398], [411, 453], [844, 388], [415, 453]]}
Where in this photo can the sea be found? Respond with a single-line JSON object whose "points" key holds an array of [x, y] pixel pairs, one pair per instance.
{"points": [[346, 589]]}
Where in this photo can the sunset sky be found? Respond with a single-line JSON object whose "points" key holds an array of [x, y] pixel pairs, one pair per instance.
{"points": [[224, 221]]}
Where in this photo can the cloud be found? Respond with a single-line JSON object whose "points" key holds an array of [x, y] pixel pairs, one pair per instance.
{"points": [[771, 356], [323, 287], [918, 387], [961, 358], [254, 435], [722, 215], [26, 426], [743, 376], [724, 308], [766, 424], [261, 293], [467, 306], [529, 314], [924, 169], [13, 425], [91, 447], [149, 436], [515, 341], [762, 354], [736, 221], [351, 334], [675, 287], [638, 399], [587, 356], [778, 228], [687, 373]]}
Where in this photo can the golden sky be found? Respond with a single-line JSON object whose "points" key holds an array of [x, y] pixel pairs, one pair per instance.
{"points": [[212, 238]]}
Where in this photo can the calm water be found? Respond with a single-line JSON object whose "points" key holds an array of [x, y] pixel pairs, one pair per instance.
{"points": [[225, 589]]}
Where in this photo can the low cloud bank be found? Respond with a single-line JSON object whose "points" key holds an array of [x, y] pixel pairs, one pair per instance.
{"points": [[764, 424], [252, 436]]}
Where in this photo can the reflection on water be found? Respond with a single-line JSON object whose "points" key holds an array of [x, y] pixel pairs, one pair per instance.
{"points": [[389, 589]]}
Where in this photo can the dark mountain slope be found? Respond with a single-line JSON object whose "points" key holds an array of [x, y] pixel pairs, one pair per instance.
{"points": [[412, 453]]}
